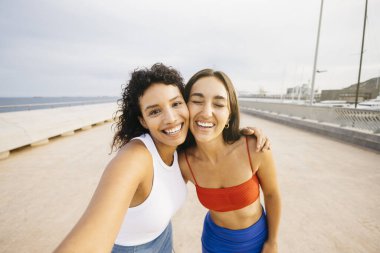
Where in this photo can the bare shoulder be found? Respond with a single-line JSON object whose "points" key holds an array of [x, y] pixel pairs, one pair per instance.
{"points": [[185, 170], [258, 158], [134, 147], [123, 175], [264, 155], [249, 141], [265, 160], [132, 160], [182, 159]]}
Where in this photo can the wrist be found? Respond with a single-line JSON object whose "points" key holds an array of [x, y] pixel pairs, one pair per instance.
{"points": [[272, 242]]}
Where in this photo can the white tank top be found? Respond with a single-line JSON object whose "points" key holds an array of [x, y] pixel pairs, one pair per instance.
{"points": [[147, 221]]}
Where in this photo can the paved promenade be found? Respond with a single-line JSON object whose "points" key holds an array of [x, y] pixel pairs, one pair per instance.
{"points": [[330, 192]]}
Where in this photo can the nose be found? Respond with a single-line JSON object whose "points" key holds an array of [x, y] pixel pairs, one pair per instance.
{"points": [[207, 110], [170, 116]]}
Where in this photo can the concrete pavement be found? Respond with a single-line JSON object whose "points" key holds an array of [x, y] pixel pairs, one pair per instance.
{"points": [[330, 192]]}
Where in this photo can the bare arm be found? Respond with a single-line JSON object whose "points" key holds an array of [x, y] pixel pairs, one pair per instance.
{"points": [[97, 229], [269, 185]]}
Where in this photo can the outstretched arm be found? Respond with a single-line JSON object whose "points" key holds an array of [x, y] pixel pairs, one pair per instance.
{"points": [[97, 229]]}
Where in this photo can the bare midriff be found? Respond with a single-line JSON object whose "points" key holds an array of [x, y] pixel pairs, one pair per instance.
{"points": [[238, 219]]}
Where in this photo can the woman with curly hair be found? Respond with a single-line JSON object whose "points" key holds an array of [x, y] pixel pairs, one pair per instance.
{"points": [[142, 186]]}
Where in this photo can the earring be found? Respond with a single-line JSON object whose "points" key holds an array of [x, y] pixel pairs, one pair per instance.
{"points": [[227, 125]]}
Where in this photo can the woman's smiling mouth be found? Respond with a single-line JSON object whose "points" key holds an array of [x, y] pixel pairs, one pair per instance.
{"points": [[204, 124], [174, 130]]}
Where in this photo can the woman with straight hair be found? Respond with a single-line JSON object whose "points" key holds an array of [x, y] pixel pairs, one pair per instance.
{"points": [[227, 172]]}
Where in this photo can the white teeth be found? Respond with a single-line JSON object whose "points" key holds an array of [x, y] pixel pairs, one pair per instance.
{"points": [[205, 124], [173, 130]]}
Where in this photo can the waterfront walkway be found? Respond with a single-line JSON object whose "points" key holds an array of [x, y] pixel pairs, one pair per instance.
{"points": [[330, 192]]}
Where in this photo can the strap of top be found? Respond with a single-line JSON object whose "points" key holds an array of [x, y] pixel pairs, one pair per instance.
{"points": [[249, 156], [188, 164]]}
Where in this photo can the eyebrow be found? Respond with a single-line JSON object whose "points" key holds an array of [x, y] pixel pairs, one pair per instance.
{"points": [[156, 105], [219, 97]]}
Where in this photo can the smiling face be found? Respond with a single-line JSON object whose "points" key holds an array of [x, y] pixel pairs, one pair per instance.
{"points": [[209, 109], [164, 114]]}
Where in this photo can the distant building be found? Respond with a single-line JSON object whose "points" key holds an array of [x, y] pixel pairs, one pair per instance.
{"points": [[303, 92], [367, 90]]}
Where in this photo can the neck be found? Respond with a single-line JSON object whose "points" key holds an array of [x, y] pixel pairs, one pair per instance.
{"points": [[166, 152], [167, 157], [213, 150]]}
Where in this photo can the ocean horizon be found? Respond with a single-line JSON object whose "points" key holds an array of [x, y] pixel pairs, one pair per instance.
{"points": [[13, 104]]}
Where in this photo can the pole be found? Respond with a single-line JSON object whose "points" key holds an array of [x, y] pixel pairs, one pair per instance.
{"points": [[316, 56], [361, 55]]}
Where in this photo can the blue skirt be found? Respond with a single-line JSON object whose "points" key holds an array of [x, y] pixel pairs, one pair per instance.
{"points": [[216, 239]]}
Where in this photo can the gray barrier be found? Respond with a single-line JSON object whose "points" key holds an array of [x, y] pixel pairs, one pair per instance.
{"points": [[358, 127], [346, 117]]}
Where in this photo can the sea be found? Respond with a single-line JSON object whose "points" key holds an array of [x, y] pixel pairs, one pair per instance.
{"points": [[12, 104]]}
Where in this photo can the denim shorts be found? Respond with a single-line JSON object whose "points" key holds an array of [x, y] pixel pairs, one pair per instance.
{"points": [[162, 244]]}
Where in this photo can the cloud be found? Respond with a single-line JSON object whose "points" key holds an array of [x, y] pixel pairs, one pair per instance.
{"points": [[88, 47]]}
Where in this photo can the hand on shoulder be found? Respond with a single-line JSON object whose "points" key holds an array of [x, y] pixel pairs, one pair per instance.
{"points": [[259, 157], [262, 143]]}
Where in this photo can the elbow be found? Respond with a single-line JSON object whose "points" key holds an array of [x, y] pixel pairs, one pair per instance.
{"points": [[273, 197]]}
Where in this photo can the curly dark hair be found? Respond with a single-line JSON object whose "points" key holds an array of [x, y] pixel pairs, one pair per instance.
{"points": [[127, 117]]}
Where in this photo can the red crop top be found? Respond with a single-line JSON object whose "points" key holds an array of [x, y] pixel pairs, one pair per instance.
{"points": [[230, 198]]}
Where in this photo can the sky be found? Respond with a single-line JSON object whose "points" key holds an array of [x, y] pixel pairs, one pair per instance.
{"points": [[90, 47]]}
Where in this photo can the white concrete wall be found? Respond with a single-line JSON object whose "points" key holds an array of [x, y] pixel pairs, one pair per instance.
{"points": [[23, 128]]}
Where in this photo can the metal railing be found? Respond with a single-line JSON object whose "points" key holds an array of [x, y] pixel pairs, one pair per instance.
{"points": [[362, 119]]}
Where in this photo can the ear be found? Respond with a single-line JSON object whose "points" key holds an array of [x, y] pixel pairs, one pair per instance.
{"points": [[142, 122]]}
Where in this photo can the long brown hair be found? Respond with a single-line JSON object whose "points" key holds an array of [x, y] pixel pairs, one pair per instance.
{"points": [[232, 133]]}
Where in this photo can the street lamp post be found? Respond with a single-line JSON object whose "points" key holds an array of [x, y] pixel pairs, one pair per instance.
{"points": [[316, 56], [361, 55]]}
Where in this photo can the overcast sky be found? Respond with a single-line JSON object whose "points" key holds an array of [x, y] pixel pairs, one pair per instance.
{"points": [[89, 47]]}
